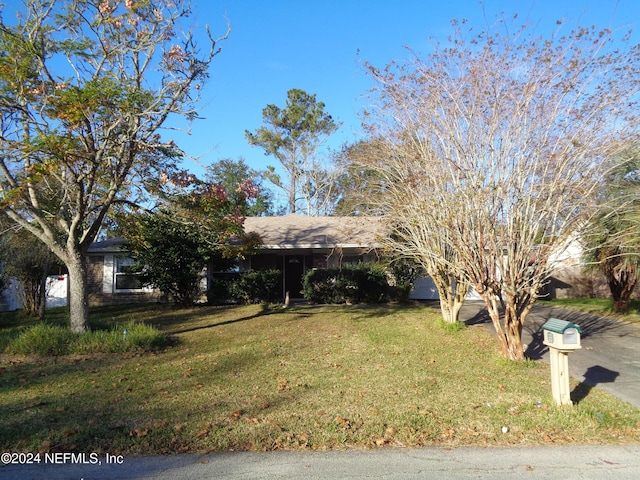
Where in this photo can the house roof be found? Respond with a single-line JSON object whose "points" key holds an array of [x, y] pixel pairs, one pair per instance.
{"points": [[111, 245], [298, 231], [293, 231]]}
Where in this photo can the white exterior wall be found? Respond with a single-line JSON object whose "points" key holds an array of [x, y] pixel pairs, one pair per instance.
{"points": [[57, 287], [57, 290], [424, 288]]}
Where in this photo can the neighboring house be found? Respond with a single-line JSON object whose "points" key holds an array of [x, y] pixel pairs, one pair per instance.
{"points": [[57, 293], [571, 278], [10, 296]]}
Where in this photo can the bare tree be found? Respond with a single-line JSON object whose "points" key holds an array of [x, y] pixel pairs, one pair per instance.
{"points": [[29, 262], [85, 86], [504, 134], [397, 192], [319, 187]]}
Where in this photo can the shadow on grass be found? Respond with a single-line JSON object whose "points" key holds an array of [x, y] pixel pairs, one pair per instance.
{"points": [[265, 310]]}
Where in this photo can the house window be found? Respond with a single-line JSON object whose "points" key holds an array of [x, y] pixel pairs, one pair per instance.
{"points": [[126, 276]]}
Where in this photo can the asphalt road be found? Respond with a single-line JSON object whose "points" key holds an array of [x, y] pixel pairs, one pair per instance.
{"points": [[609, 359], [584, 463]]}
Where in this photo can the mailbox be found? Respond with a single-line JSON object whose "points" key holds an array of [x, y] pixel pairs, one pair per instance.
{"points": [[561, 334]]}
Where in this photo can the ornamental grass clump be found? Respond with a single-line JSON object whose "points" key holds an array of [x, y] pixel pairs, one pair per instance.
{"points": [[46, 339]]}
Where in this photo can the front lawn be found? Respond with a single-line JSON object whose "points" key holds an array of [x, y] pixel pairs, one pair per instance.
{"points": [[308, 377]]}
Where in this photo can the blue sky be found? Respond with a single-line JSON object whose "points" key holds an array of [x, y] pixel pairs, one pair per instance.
{"points": [[319, 46]]}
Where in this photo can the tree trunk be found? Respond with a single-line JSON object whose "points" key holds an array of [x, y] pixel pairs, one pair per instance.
{"points": [[42, 296], [509, 329], [621, 290], [513, 332], [451, 300], [78, 293], [451, 310], [292, 192]]}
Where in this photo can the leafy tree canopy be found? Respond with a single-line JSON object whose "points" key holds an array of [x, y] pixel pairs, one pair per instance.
{"points": [[613, 244], [234, 176], [85, 87], [199, 225], [293, 135]]}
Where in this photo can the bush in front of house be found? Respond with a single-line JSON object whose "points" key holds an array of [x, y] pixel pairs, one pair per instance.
{"points": [[362, 283], [323, 286], [246, 287], [257, 287], [220, 286], [404, 272]]}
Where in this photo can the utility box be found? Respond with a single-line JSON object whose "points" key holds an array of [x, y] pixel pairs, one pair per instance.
{"points": [[561, 334]]}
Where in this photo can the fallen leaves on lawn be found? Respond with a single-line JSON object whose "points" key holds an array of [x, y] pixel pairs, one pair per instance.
{"points": [[235, 415], [138, 432], [283, 384]]}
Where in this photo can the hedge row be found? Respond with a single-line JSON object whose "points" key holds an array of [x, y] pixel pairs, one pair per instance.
{"points": [[247, 287], [362, 283]]}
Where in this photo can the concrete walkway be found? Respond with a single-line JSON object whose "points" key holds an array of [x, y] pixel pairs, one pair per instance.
{"points": [[609, 358]]}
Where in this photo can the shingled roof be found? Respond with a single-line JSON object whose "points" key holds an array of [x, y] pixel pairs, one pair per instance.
{"points": [[298, 231]]}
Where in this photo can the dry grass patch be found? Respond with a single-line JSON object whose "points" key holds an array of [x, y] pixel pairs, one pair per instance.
{"points": [[247, 378]]}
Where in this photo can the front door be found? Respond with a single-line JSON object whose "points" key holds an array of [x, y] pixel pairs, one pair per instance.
{"points": [[293, 272]]}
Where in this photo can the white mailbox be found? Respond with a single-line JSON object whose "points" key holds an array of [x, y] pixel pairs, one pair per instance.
{"points": [[561, 334], [561, 337]]}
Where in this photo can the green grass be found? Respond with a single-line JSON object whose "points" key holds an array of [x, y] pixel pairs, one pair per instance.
{"points": [[599, 306], [307, 377]]}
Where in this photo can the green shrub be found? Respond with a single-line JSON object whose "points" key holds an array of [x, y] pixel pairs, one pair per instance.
{"points": [[141, 336], [362, 283], [51, 340], [220, 288], [404, 272], [247, 287], [256, 287], [323, 286]]}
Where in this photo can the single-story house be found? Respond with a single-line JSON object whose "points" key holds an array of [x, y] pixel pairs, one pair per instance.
{"points": [[294, 244], [110, 282]]}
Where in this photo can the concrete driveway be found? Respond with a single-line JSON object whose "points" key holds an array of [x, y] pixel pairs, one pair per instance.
{"points": [[609, 358]]}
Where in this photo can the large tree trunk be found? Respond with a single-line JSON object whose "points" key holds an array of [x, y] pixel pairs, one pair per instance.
{"points": [[78, 293], [509, 329]]}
